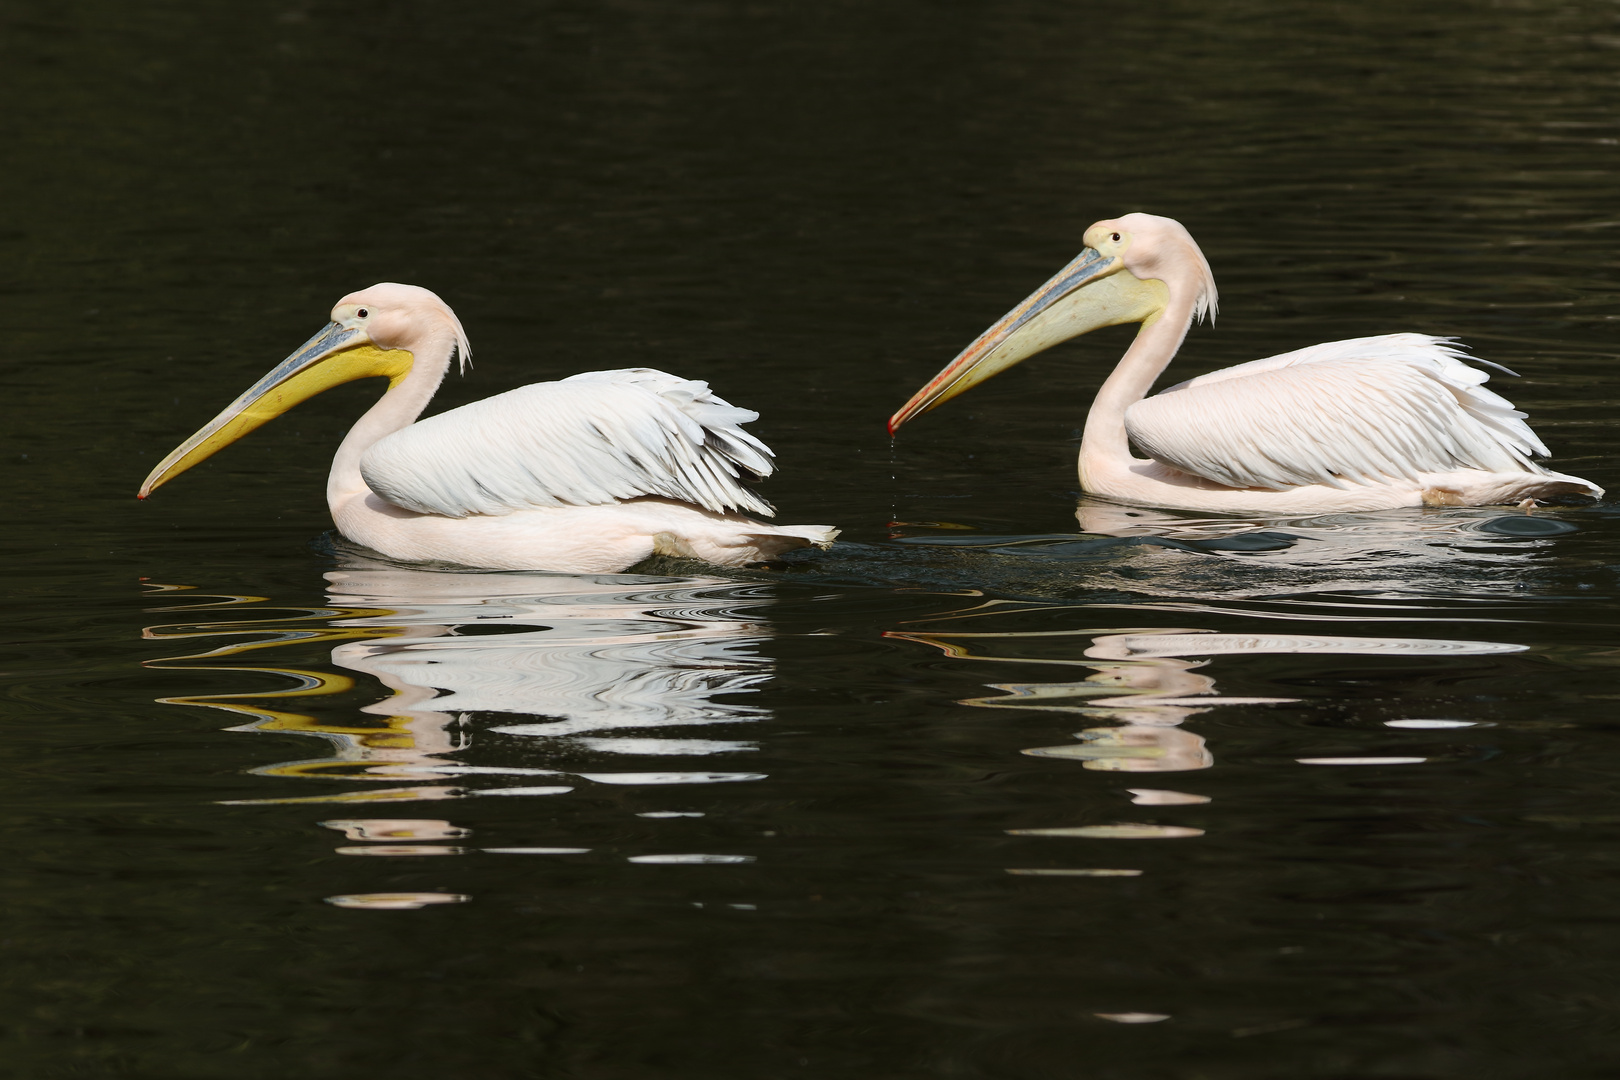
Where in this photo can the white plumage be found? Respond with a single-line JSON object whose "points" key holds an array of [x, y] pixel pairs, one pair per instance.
{"points": [[1369, 423], [591, 474], [1342, 413], [599, 437]]}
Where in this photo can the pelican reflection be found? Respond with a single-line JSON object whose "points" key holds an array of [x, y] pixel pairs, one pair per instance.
{"points": [[590, 667], [1145, 683], [1435, 550], [1456, 551]]}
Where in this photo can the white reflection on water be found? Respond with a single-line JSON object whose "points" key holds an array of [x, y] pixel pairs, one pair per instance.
{"points": [[522, 791], [1432, 724], [690, 859], [1468, 551], [1142, 796], [1144, 687], [591, 653], [1146, 684], [651, 747], [1464, 554], [572, 656], [1059, 872], [398, 829], [1121, 831], [1176, 643], [396, 901], [1145, 698]]}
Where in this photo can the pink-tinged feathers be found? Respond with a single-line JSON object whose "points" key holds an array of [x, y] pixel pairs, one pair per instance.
{"points": [[1365, 424], [588, 475]]}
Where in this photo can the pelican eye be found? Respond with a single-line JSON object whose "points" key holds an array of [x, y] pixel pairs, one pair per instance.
{"points": [[362, 313], [1115, 238]]}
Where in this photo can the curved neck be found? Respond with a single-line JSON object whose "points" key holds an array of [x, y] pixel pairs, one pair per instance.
{"points": [[396, 409], [1104, 439]]}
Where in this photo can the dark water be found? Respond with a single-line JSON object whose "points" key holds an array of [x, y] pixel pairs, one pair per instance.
{"points": [[974, 795]]}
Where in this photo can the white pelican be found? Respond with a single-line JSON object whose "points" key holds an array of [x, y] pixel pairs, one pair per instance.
{"points": [[1367, 424], [591, 474]]}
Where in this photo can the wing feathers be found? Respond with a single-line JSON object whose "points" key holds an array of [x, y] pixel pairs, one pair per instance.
{"points": [[1344, 413], [595, 438]]}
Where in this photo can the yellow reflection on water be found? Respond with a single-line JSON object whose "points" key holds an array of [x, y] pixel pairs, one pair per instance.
{"points": [[580, 658], [370, 744], [587, 668]]}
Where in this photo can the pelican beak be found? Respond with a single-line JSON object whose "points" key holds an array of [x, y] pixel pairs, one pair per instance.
{"points": [[338, 354], [1087, 294]]}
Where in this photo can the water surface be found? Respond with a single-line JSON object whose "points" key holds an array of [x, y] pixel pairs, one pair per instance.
{"points": [[1008, 784]]}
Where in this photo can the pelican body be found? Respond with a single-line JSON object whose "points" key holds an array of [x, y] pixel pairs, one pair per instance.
{"points": [[1370, 423], [591, 474]]}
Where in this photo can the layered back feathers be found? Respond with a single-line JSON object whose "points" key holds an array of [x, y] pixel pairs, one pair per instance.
{"points": [[596, 438], [1355, 412]]}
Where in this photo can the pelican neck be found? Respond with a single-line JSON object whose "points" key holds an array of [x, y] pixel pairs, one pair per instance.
{"points": [[1150, 352], [398, 408]]}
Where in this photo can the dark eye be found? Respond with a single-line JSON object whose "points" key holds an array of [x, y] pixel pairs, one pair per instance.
{"points": [[362, 313], [1114, 238]]}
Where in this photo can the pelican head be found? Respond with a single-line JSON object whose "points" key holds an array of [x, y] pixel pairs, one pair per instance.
{"points": [[1132, 269], [380, 331]]}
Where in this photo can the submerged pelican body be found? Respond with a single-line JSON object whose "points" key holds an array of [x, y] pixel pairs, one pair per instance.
{"points": [[1366, 424], [591, 474]]}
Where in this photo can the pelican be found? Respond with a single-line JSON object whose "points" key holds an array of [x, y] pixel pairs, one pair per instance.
{"points": [[1370, 423], [591, 474]]}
